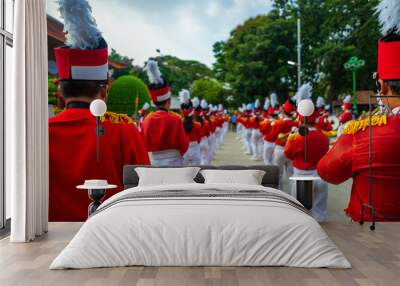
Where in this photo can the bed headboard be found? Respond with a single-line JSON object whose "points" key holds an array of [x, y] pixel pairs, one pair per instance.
{"points": [[271, 178]]}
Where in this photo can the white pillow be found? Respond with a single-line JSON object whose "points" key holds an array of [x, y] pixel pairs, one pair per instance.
{"points": [[247, 177], [166, 176]]}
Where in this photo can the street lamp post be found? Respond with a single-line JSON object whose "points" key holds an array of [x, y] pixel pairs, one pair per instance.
{"points": [[298, 49], [353, 65]]}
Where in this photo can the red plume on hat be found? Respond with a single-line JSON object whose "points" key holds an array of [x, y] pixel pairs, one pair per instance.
{"points": [[289, 107], [389, 46], [158, 87], [85, 56]]}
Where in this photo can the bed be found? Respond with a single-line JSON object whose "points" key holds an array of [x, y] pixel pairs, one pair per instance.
{"points": [[201, 225]]}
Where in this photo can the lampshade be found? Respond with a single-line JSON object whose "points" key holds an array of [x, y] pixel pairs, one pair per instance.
{"points": [[98, 107], [305, 107]]}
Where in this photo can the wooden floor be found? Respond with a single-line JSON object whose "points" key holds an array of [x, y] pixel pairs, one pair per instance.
{"points": [[375, 257]]}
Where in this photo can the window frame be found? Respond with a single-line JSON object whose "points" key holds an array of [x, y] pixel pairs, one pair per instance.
{"points": [[6, 39]]}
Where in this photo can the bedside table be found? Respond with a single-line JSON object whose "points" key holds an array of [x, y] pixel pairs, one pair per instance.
{"points": [[304, 189], [96, 192]]}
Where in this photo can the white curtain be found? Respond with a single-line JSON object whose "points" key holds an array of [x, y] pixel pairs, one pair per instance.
{"points": [[27, 124]]}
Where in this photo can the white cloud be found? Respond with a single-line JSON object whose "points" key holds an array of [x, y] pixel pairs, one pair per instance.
{"points": [[186, 29]]}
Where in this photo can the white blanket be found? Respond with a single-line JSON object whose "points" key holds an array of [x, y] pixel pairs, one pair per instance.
{"points": [[200, 231]]}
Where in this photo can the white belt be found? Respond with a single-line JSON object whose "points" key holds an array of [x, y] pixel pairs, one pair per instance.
{"points": [[165, 154], [305, 173]]}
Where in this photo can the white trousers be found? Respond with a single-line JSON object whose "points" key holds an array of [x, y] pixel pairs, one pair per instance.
{"points": [[320, 194], [285, 165], [193, 155], [225, 128], [219, 135], [239, 131], [249, 147], [204, 149], [257, 143], [268, 151], [212, 146], [166, 158]]}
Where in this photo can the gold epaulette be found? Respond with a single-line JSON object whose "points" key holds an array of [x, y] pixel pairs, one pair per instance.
{"points": [[355, 126], [293, 136], [116, 118], [174, 113]]}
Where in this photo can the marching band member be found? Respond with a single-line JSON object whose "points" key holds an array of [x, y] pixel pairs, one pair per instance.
{"points": [[193, 130], [347, 114], [248, 129], [257, 141], [305, 162], [239, 128], [269, 137], [198, 116], [226, 120], [83, 73], [223, 123], [323, 123], [265, 126], [280, 131], [163, 131], [206, 151], [350, 156]]}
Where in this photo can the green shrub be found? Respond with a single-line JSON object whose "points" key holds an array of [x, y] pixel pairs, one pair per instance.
{"points": [[52, 88], [123, 93]]}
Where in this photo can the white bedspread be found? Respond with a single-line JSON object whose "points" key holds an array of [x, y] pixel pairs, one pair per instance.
{"points": [[200, 231]]}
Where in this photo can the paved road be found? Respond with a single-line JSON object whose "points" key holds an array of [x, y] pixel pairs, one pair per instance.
{"points": [[232, 153]]}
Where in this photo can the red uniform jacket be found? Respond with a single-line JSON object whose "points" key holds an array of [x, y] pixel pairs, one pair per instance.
{"points": [[345, 117], [282, 127], [317, 147], [255, 122], [164, 130], [245, 120], [206, 127], [196, 133], [349, 158], [265, 126], [72, 151], [212, 124]]}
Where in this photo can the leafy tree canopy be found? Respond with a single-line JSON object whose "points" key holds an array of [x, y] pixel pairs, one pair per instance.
{"points": [[179, 73], [209, 89], [254, 59]]}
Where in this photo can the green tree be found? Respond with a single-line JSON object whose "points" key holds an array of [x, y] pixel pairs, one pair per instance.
{"points": [[254, 59], [220, 64], [256, 55], [209, 89], [123, 94], [179, 73]]}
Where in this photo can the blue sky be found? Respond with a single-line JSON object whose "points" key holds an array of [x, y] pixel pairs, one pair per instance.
{"points": [[184, 28]]}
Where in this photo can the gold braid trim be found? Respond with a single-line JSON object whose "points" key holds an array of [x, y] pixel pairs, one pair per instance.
{"points": [[355, 126], [116, 118], [293, 136]]}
